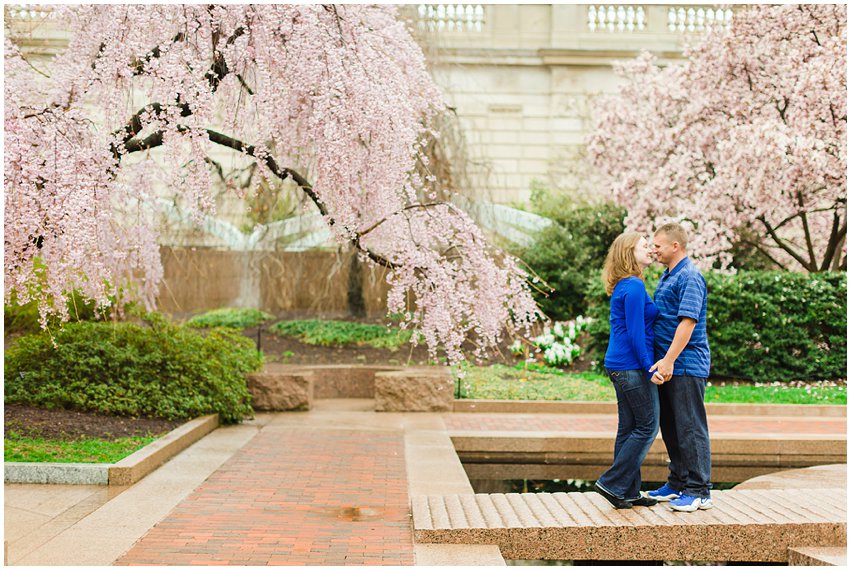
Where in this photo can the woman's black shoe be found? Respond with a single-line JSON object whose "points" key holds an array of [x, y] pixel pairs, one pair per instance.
{"points": [[616, 503], [643, 502]]}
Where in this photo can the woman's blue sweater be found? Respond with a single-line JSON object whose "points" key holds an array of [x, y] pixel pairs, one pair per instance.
{"points": [[631, 319]]}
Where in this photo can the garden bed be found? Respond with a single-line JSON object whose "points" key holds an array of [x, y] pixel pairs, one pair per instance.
{"points": [[39, 435], [68, 424], [288, 350]]}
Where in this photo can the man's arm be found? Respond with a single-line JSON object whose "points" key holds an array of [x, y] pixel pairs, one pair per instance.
{"points": [[682, 335]]}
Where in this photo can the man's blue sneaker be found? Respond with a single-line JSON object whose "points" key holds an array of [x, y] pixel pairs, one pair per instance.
{"points": [[663, 493], [687, 503]]}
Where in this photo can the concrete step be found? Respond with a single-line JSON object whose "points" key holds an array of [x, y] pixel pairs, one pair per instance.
{"points": [[744, 525]]}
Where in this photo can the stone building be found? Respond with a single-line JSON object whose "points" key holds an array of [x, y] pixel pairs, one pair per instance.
{"points": [[522, 77]]}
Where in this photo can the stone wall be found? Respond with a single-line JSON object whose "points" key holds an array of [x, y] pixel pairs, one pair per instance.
{"points": [[199, 279]]}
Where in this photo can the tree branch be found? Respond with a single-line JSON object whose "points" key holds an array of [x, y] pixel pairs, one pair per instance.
{"points": [[779, 241], [807, 236], [837, 235], [409, 207], [138, 65], [764, 252], [219, 69], [156, 139]]}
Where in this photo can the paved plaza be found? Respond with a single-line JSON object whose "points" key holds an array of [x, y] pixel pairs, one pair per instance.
{"points": [[332, 486]]}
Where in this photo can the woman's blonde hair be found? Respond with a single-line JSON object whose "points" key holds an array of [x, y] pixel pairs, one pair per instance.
{"points": [[620, 261]]}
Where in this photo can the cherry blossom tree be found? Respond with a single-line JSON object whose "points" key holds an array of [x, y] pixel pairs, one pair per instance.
{"points": [[745, 141], [143, 93]]}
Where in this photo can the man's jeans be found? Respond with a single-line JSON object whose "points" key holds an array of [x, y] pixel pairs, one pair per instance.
{"points": [[638, 424], [686, 434]]}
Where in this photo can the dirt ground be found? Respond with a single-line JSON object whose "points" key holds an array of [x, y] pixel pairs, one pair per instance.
{"points": [[290, 351], [70, 425]]}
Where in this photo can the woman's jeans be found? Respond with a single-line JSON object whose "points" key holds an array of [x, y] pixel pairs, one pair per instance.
{"points": [[638, 424]]}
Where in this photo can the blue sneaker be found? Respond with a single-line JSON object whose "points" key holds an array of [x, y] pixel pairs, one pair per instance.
{"points": [[687, 503], [663, 493]]}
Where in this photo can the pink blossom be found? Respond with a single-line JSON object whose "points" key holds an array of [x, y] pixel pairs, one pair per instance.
{"points": [[744, 143], [337, 98]]}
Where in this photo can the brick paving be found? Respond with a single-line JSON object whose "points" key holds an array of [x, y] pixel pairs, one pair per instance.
{"points": [[333, 497], [293, 497], [606, 423]]}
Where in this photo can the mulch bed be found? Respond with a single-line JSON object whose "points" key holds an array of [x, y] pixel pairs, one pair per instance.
{"points": [[71, 425], [277, 349]]}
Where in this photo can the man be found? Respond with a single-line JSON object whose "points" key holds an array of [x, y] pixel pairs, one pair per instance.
{"points": [[682, 354]]}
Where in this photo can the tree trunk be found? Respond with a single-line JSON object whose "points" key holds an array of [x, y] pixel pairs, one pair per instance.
{"points": [[357, 306]]}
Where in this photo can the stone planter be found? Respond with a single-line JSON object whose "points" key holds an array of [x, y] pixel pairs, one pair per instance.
{"points": [[414, 390]]}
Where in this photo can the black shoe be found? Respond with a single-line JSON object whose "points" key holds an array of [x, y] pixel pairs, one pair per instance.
{"points": [[615, 502], [643, 502]]}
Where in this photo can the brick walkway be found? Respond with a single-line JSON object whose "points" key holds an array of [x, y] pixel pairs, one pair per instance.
{"points": [[318, 495], [605, 423], [293, 497]]}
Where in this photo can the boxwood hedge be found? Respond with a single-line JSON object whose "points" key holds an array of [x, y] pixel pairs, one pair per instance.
{"points": [[156, 369]]}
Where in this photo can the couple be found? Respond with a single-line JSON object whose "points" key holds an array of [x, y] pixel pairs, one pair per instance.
{"points": [[658, 361]]}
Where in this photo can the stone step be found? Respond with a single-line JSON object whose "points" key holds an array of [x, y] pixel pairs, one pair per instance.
{"points": [[824, 556], [744, 525]]}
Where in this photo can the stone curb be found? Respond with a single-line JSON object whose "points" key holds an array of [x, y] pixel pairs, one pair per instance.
{"points": [[57, 473], [125, 472], [542, 407]]}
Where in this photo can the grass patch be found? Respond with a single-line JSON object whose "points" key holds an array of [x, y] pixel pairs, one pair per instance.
{"points": [[39, 450], [331, 333], [499, 382], [745, 394], [231, 318]]}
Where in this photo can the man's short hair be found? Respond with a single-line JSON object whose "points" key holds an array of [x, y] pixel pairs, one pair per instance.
{"points": [[674, 233]]}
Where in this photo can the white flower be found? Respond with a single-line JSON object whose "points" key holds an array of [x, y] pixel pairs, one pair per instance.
{"points": [[558, 355], [545, 340]]}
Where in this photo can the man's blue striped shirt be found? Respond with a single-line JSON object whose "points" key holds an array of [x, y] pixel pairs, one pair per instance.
{"points": [[681, 292]]}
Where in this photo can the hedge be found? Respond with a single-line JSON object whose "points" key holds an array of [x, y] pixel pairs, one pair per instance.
{"points": [[157, 369], [762, 325], [567, 253]]}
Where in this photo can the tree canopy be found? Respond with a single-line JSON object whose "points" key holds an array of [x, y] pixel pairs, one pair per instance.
{"points": [[745, 142], [335, 98]]}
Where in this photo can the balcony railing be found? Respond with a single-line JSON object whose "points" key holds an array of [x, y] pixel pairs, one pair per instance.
{"points": [[631, 18], [451, 17], [698, 18], [29, 12], [618, 18]]}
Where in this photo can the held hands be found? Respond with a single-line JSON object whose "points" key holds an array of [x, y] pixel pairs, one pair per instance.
{"points": [[664, 369]]}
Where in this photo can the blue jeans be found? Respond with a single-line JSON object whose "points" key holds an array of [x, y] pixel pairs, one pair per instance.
{"points": [[638, 424], [686, 434]]}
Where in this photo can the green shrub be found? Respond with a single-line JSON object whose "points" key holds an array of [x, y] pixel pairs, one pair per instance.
{"points": [[330, 333], [775, 325], [762, 325], [19, 318], [160, 370], [570, 251], [231, 318]]}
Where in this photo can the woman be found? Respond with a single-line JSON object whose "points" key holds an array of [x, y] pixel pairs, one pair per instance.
{"points": [[628, 361]]}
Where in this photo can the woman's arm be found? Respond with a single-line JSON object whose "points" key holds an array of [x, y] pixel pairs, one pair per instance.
{"points": [[634, 299]]}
